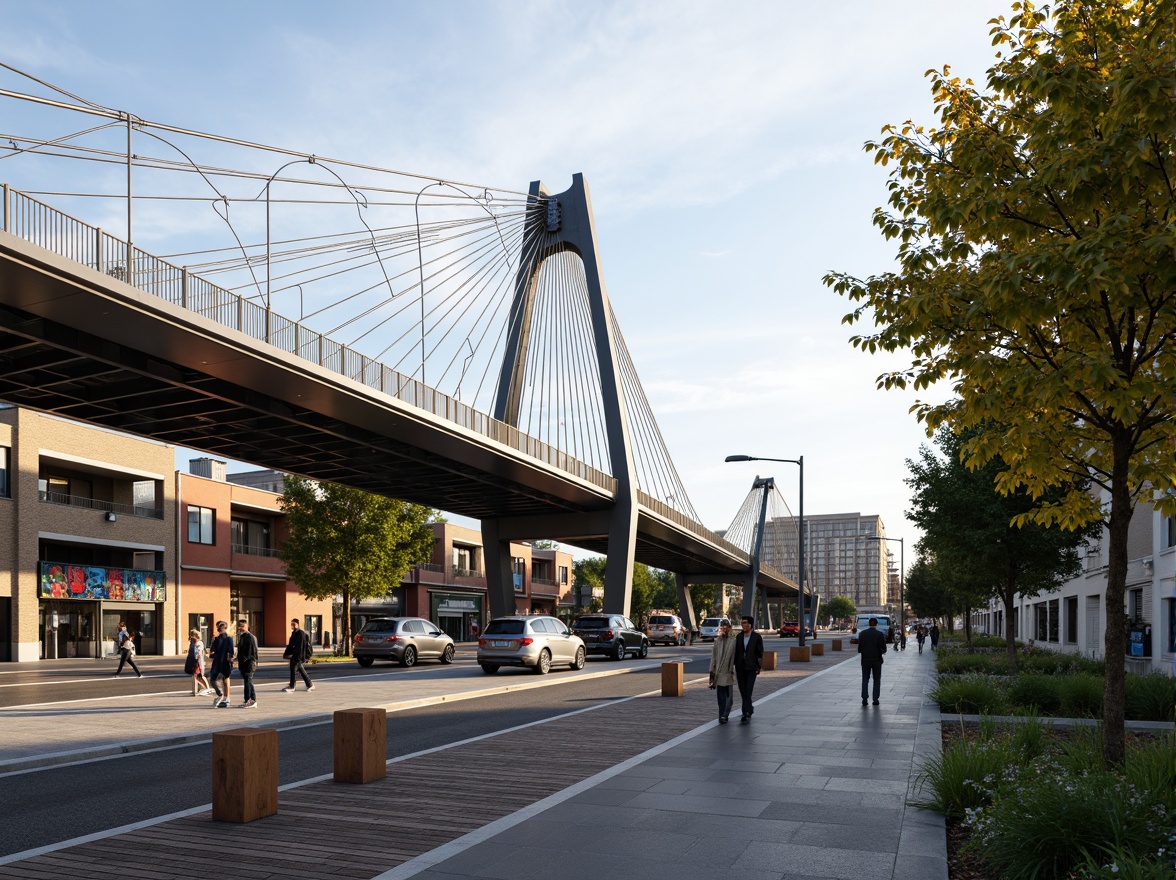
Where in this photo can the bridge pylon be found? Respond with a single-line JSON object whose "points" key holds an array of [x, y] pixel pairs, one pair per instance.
{"points": [[557, 224], [766, 485]]}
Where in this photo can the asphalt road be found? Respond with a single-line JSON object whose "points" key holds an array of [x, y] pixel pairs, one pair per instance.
{"points": [[63, 803]]}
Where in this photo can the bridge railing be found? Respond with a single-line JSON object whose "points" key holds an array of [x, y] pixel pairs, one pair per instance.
{"points": [[47, 227]]}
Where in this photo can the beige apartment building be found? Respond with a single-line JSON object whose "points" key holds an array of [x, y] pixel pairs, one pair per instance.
{"points": [[842, 556], [87, 539]]}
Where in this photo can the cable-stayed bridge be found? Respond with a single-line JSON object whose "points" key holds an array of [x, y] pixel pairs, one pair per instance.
{"points": [[455, 345]]}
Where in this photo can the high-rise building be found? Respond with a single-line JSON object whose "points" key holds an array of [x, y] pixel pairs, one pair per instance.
{"points": [[840, 560]]}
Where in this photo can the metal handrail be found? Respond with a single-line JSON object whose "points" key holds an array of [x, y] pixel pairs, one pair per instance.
{"points": [[99, 504], [254, 550]]}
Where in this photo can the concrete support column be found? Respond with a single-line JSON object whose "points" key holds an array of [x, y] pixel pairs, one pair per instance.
{"points": [[499, 571]]}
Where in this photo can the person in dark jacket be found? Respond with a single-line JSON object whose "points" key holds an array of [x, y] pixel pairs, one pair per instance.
{"points": [[871, 646], [222, 664], [934, 636], [298, 651], [749, 660], [247, 662]]}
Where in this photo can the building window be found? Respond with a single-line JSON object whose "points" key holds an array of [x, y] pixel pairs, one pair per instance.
{"points": [[1042, 613], [1170, 531], [1071, 620], [1054, 614], [250, 536], [1135, 606], [5, 468], [201, 525], [519, 569], [563, 574]]}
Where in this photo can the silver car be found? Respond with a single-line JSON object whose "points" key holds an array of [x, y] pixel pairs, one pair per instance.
{"points": [[537, 642], [401, 639], [710, 628]]}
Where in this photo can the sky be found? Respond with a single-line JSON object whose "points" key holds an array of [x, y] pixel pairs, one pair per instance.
{"points": [[722, 143]]}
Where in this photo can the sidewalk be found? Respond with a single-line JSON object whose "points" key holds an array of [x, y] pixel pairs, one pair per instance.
{"points": [[814, 787]]}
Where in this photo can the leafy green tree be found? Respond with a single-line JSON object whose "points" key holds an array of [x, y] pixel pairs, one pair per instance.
{"points": [[839, 608], [589, 575], [1036, 271], [967, 528], [929, 593], [349, 543]]}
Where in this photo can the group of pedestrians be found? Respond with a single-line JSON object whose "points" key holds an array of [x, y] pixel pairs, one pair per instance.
{"points": [[223, 652], [739, 659]]}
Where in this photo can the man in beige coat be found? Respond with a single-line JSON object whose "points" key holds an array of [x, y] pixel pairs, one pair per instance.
{"points": [[722, 669]]}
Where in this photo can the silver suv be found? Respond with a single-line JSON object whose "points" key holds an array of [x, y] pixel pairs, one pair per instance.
{"points": [[401, 639], [667, 628], [537, 642], [710, 628]]}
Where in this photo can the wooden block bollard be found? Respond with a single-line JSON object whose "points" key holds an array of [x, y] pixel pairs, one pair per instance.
{"points": [[798, 654], [361, 745], [769, 661], [672, 675], [818, 649], [835, 644], [244, 774]]}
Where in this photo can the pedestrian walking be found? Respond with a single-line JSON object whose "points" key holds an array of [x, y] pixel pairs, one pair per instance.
{"points": [[298, 651], [934, 636], [194, 665], [871, 646], [222, 664], [126, 653], [921, 636], [749, 660], [722, 669], [247, 662]]}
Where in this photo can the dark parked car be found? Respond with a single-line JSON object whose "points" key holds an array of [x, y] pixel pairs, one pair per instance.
{"points": [[611, 634], [401, 639]]}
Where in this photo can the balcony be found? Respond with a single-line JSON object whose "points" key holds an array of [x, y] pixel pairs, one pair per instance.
{"points": [[99, 504], [467, 573], [255, 550], [544, 586]]}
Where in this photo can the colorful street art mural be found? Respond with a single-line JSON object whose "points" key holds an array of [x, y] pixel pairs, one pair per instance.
{"points": [[60, 581]]}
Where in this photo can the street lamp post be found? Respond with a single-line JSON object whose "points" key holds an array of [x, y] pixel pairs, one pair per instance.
{"points": [[901, 586], [800, 603]]}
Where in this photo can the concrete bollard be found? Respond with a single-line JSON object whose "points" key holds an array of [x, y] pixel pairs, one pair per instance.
{"points": [[361, 745], [672, 678], [769, 661], [798, 654], [244, 774], [835, 644], [818, 649]]}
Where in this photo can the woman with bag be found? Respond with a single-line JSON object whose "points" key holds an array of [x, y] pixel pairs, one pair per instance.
{"points": [[194, 665], [722, 669], [126, 654]]}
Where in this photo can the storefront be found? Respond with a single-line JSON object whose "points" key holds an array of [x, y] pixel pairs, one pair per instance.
{"points": [[459, 614], [81, 607]]}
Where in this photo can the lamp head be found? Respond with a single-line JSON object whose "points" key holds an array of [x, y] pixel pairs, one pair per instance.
{"points": [[111, 516], [740, 458]]}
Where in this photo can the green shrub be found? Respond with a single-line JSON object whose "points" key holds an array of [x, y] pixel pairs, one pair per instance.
{"points": [[1029, 739], [1038, 693], [965, 776], [1151, 765], [1150, 697], [1081, 696], [1055, 663], [1081, 751], [970, 694], [1050, 823], [961, 664], [1117, 863]]}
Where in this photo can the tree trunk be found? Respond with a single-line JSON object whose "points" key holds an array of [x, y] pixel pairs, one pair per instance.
{"points": [[968, 626], [1114, 703], [1007, 594], [345, 623]]}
